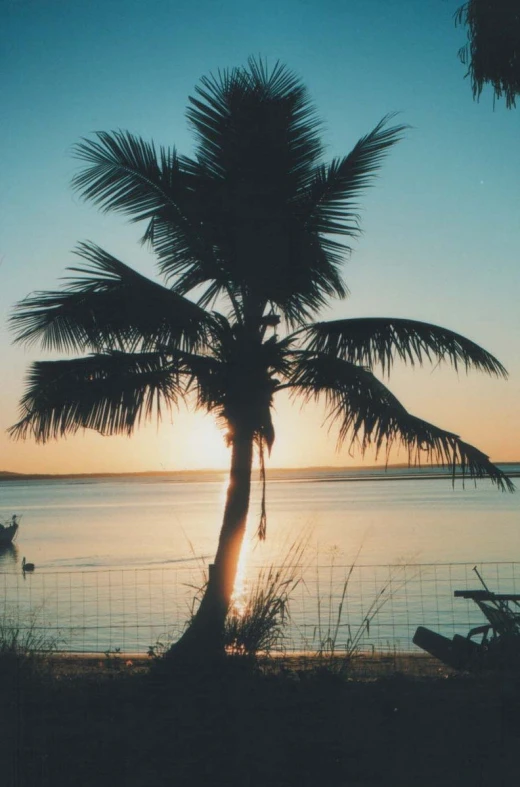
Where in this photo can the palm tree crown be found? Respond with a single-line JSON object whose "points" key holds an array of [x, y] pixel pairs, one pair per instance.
{"points": [[249, 234]]}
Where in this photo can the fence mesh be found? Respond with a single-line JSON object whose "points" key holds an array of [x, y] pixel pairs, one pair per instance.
{"points": [[374, 608]]}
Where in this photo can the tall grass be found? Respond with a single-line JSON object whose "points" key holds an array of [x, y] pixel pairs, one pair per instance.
{"points": [[257, 624], [25, 636], [325, 640], [24, 641]]}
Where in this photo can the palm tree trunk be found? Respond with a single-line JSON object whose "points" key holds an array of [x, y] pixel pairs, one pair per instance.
{"points": [[205, 633]]}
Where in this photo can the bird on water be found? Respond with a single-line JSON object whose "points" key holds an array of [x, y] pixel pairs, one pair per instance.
{"points": [[27, 566]]}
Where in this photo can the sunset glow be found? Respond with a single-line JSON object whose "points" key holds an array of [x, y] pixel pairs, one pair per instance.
{"points": [[204, 446], [440, 229]]}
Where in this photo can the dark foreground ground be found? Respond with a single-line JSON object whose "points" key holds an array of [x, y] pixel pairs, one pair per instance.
{"points": [[109, 722]]}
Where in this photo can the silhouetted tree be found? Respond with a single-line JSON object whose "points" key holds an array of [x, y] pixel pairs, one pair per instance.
{"points": [[492, 53], [252, 229]]}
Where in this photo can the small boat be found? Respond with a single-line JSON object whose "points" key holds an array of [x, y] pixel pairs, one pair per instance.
{"points": [[9, 531]]}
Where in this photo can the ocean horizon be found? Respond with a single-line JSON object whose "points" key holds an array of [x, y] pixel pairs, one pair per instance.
{"points": [[399, 470]]}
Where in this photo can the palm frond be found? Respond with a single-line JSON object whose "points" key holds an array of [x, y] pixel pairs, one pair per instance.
{"points": [[492, 51], [330, 204], [109, 305], [111, 393], [308, 271], [381, 340], [127, 174], [367, 413], [185, 236]]}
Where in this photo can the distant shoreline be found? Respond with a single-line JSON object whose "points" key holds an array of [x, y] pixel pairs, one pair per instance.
{"points": [[329, 473]]}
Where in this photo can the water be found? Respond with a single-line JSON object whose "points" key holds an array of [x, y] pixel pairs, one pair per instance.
{"points": [[117, 558]]}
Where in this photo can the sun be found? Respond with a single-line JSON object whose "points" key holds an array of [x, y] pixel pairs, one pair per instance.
{"points": [[204, 445]]}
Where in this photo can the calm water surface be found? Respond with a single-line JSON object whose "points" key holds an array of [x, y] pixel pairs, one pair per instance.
{"points": [[117, 559], [155, 521]]}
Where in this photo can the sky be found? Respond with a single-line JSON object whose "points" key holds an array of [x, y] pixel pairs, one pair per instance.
{"points": [[441, 227]]}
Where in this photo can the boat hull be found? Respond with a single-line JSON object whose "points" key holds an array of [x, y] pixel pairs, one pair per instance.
{"points": [[7, 534]]}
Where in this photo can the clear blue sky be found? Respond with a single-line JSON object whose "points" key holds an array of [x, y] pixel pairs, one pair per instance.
{"points": [[441, 228]]}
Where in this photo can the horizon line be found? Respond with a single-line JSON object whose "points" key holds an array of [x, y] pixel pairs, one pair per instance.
{"points": [[5, 474]]}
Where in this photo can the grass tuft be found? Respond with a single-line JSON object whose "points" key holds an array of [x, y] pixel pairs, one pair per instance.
{"points": [[25, 644], [257, 624]]}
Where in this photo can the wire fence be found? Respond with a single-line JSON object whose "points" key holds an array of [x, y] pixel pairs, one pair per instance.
{"points": [[375, 608]]}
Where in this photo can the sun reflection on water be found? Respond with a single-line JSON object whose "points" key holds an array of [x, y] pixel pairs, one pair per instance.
{"points": [[239, 597]]}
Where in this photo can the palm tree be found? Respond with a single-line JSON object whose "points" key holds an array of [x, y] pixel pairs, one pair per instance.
{"points": [[253, 229], [492, 52]]}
